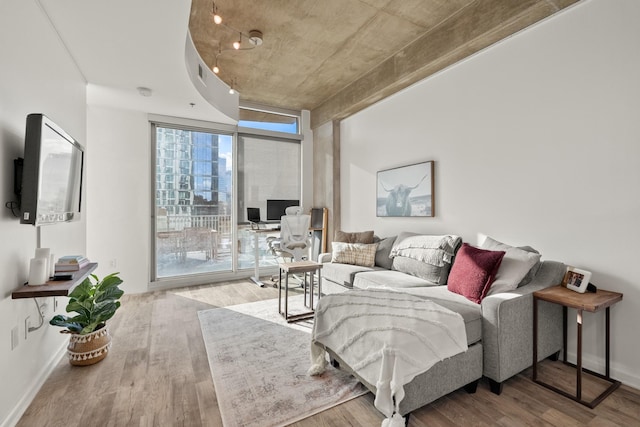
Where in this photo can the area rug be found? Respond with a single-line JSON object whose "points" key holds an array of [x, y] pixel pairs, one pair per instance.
{"points": [[259, 362]]}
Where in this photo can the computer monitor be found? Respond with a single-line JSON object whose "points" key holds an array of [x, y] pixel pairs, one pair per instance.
{"points": [[253, 215], [276, 208]]}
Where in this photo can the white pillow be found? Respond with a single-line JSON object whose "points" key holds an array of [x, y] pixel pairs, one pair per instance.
{"points": [[354, 253], [514, 267]]}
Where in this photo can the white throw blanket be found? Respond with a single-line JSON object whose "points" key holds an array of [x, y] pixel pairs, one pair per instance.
{"points": [[387, 337]]}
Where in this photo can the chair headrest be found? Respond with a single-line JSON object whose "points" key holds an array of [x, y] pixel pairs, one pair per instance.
{"points": [[293, 210]]}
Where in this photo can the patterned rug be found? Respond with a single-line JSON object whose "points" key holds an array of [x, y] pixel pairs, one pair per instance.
{"points": [[259, 362]]}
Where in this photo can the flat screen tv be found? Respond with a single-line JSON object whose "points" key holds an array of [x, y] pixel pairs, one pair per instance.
{"points": [[51, 174], [276, 208]]}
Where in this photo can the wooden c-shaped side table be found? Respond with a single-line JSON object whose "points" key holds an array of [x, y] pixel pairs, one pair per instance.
{"points": [[308, 269], [591, 302]]}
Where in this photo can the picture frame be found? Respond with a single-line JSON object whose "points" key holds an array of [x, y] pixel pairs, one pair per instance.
{"points": [[406, 191], [576, 279]]}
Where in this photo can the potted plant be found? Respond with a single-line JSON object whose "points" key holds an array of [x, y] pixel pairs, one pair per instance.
{"points": [[95, 303]]}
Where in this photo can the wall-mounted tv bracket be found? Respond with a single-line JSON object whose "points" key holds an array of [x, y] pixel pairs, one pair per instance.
{"points": [[17, 187]]}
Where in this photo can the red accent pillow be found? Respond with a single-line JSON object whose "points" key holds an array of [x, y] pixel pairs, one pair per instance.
{"points": [[473, 272]]}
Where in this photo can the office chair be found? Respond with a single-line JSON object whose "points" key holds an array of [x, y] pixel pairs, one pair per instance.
{"points": [[294, 233], [295, 238]]}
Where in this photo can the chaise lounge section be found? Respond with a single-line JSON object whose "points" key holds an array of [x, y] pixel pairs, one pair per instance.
{"points": [[499, 325]]}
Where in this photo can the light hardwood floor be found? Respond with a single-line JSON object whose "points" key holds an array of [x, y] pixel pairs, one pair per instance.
{"points": [[157, 374]]}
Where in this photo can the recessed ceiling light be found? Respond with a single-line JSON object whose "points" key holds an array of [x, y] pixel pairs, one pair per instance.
{"points": [[144, 91]]}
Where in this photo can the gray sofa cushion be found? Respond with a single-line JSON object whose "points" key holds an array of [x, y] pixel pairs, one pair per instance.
{"points": [[388, 278], [470, 311], [433, 274], [410, 261], [342, 274], [383, 251], [534, 270]]}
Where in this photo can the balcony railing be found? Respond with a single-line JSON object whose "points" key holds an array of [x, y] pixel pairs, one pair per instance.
{"points": [[221, 223], [191, 244]]}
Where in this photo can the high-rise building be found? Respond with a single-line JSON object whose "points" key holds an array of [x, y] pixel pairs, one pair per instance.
{"points": [[187, 172]]}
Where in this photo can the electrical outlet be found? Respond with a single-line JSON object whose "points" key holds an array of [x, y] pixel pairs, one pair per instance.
{"points": [[27, 325], [113, 263], [15, 337]]}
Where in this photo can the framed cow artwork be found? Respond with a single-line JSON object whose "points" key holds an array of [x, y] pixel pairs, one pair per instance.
{"points": [[405, 191]]}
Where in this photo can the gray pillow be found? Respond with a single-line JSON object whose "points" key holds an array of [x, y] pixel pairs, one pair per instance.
{"points": [[533, 271], [431, 273], [515, 265], [382, 254]]}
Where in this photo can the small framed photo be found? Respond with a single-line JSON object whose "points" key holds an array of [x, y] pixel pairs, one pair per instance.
{"points": [[576, 279]]}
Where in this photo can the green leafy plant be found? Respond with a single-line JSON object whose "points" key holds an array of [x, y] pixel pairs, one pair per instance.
{"points": [[94, 303]]}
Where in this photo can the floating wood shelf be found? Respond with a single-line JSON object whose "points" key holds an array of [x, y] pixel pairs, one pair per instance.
{"points": [[54, 288]]}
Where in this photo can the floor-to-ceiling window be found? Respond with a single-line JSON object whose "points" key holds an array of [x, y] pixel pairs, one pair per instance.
{"points": [[204, 179], [193, 225]]}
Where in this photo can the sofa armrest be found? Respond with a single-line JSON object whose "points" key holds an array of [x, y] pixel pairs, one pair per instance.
{"points": [[324, 257], [507, 325]]}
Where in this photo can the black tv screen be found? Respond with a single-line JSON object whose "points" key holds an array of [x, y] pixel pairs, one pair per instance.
{"points": [[51, 175], [276, 208]]}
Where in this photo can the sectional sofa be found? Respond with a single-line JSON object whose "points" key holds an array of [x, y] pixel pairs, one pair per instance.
{"points": [[498, 318]]}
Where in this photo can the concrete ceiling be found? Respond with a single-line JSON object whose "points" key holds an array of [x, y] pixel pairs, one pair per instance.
{"points": [[335, 57]]}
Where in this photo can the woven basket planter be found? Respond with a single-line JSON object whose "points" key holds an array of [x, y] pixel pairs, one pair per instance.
{"points": [[88, 349]]}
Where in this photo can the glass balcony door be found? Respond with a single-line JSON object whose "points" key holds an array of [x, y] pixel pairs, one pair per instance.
{"points": [[193, 227]]}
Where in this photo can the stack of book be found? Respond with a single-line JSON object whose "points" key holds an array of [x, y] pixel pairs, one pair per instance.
{"points": [[71, 264]]}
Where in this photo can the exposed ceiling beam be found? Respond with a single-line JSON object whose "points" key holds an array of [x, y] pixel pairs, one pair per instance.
{"points": [[475, 27]]}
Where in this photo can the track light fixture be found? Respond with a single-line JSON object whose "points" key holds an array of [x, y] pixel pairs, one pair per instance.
{"points": [[215, 68], [216, 17], [254, 37]]}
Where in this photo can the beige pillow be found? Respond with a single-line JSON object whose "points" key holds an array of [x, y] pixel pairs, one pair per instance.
{"points": [[353, 237], [354, 253]]}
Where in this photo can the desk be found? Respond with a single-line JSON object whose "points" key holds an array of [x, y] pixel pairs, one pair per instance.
{"points": [[591, 302], [306, 268], [256, 251]]}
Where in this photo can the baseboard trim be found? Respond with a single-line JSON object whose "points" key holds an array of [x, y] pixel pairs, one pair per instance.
{"points": [[37, 383], [597, 364]]}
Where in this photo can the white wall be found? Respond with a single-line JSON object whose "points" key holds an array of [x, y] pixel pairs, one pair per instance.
{"points": [[36, 76], [118, 200], [536, 141]]}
